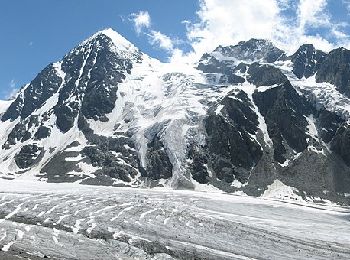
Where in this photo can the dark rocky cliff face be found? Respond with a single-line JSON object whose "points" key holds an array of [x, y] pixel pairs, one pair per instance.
{"points": [[301, 130], [284, 110], [265, 75], [336, 70], [158, 163], [307, 60], [93, 73], [89, 118], [231, 148], [34, 95], [341, 141], [27, 156]]}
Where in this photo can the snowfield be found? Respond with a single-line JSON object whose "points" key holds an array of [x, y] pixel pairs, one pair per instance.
{"points": [[72, 221]]}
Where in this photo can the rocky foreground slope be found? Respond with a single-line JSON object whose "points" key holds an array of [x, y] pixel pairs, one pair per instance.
{"points": [[242, 118]]}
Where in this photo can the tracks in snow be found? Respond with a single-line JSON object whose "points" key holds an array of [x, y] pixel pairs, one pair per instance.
{"points": [[110, 223]]}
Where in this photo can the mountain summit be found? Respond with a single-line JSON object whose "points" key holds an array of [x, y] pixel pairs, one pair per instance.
{"points": [[247, 117]]}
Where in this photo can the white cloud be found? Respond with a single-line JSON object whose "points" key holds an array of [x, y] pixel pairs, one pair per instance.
{"points": [[287, 23], [314, 14], [161, 40], [311, 14], [225, 22], [141, 20]]}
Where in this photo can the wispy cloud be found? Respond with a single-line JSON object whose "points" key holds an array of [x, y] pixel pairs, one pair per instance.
{"points": [[12, 90], [285, 4], [141, 20], [159, 39], [313, 13], [12, 83], [143, 24], [347, 4]]}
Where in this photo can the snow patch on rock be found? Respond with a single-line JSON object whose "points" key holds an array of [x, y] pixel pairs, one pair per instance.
{"points": [[278, 190]]}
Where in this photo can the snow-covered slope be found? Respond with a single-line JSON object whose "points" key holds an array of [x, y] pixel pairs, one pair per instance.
{"points": [[244, 117], [68, 221]]}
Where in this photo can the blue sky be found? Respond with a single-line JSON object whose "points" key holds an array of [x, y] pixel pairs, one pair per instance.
{"points": [[35, 33]]}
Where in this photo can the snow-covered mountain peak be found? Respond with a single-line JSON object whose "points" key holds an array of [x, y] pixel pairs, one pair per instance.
{"points": [[119, 42], [117, 39], [111, 39], [108, 114], [223, 63], [252, 50]]}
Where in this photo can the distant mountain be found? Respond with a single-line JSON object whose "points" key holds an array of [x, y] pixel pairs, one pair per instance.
{"points": [[246, 116]]}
